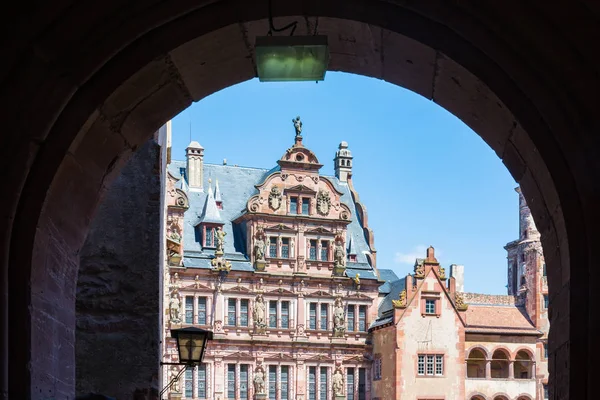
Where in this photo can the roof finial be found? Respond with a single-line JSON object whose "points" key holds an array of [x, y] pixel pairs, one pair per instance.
{"points": [[298, 128]]}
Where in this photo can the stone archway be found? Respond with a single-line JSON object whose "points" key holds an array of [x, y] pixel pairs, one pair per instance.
{"points": [[98, 87]]}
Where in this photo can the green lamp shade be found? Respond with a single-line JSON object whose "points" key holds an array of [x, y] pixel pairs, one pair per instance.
{"points": [[291, 58]]}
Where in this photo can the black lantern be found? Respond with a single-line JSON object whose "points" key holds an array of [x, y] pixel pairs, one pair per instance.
{"points": [[191, 343]]}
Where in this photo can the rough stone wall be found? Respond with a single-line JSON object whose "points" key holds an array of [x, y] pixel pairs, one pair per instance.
{"points": [[118, 286]]}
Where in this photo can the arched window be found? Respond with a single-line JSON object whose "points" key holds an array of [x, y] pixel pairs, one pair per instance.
{"points": [[476, 364], [501, 397], [499, 364], [523, 365]]}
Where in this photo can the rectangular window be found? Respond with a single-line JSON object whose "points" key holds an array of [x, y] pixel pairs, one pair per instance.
{"points": [[312, 324], [377, 369], [439, 364], [350, 384], [202, 310], [231, 311], [244, 312], [285, 248], [429, 306], [305, 205], [546, 350], [189, 310], [362, 318], [231, 381], [209, 234], [273, 247], [312, 383], [202, 381], [324, 250], [285, 314], [350, 317], [544, 269], [293, 205], [323, 384], [362, 384], [323, 324], [285, 381], [546, 395], [545, 301], [272, 382], [430, 364], [312, 253], [244, 381], [421, 365], [272, 314], [189, 383]]}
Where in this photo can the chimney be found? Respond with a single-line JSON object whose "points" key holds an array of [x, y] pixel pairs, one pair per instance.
{"points": [[458, 273], [343, 162], [195, 165]]}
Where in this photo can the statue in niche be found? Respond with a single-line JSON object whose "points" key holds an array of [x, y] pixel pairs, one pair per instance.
{"points": [[275, 198], [175, 236], [175, 385], [174, 308], [338, 382], [259, 380], [197, 282], [339, 323], [323, 202], [339, 254], [297, 126], [220, 237], [258, 314], [259, 245]]}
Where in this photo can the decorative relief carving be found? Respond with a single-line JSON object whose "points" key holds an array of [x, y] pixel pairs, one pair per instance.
{"points": [[339, 322], [419, 271], [401, 302], [275, 198], [323, 202], [460, 302], [442, 273]]}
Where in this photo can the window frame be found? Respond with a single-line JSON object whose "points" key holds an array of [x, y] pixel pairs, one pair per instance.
{"points": [[435, 359]]}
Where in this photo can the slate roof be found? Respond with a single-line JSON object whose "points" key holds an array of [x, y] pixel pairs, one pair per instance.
{"points": [[236, 186], [499, 319], [396, 287], [388, 276]]}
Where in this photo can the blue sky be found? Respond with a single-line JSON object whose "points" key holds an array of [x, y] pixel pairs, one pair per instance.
{"points": [[424, 176]]}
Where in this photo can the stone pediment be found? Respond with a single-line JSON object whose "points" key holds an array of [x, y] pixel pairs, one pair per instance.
{"points": [[279, 356], [280, 292], [355, 360], [238, 289], [320, 358], [280, 227], [320, 230], [239, 354], [199, 286], [320, 293], [359, 296], [301, 189]]}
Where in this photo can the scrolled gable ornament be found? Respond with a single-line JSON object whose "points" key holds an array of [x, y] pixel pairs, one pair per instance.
{"points": [[460, 302], [323, 202], [275, 198]]}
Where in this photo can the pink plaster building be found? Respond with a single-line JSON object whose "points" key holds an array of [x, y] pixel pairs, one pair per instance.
{"points": [[281, 265]]}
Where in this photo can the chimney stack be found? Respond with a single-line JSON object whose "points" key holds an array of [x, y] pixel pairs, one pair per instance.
{"points": [[343, 162], [458, 273], [195, 166]]}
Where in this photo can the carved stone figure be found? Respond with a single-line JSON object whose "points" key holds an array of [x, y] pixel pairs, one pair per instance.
{"points": [[297, 126], [197, 282], [175, 387], [339, 323], [300, 330], [220, 236], [259, 380], [174, 308], [339, 254], [338, 382], [259, 245], [258, 314], [460, 302], [401, 302], [175, 236], [323, 202], [275, 198]]}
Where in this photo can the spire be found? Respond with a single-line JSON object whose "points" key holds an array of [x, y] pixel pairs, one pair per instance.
{"points": [[218, 199], [351, 250], [211, 213], [343, 162], [527, 228]]}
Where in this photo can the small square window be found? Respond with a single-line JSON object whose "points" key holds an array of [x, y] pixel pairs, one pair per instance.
{"points": [[429, 306]]}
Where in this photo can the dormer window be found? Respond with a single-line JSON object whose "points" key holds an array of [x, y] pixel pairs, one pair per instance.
{"points": [[208, 235], [352, 257]]}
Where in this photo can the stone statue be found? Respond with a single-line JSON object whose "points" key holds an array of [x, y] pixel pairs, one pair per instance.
{"points": [[259, 246], [339, 254], [220, 236], [338, 382], [297, 126], [356, 280], [175, 385], [258, 313], [174, 308], [259, 380], [339, 323]]}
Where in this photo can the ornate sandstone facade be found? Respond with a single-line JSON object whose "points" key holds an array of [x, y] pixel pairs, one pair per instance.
{"points": [[281, 265]]}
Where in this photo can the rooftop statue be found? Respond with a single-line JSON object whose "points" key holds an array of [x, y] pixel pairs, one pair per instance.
{"points": [[297, 126]]}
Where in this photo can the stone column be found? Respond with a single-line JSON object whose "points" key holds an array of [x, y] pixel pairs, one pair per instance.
{"points": [[488, 369], [511, 370]]}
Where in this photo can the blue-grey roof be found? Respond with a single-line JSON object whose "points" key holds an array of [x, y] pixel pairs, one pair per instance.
{"points": [[388, 276], [236, 186], [396, 287], [381, 321]]}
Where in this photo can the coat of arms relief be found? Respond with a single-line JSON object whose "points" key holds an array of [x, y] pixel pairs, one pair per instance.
{"points": [[323, 202], [275, 198]]}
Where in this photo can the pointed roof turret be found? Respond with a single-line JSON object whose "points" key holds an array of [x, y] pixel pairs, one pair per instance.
{"points": [[351, 247], [218, 198], [210, 213]]}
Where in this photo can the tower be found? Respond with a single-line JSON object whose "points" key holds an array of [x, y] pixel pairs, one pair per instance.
{"points": [[343, 162], [195, 164]]}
